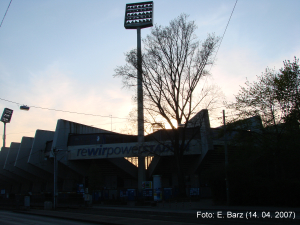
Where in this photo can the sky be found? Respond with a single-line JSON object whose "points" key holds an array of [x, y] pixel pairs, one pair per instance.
{"points": [[61, 54]]}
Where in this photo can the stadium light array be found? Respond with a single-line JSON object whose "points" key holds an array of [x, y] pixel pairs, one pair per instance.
{"points": [[138, 15]]}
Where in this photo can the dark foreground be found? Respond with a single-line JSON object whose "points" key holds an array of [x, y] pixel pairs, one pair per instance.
{"points": [[180, 213]]}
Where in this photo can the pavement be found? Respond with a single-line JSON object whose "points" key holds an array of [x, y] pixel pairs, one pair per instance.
{"points": [[203, 209]]}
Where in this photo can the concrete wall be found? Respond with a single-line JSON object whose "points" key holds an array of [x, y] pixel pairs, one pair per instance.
{"points": [[38, 160], [22, 160], [12, 182], [202, 119], [10, 162], [11, 176], [37, 156], [60, 141], [6, 179]]}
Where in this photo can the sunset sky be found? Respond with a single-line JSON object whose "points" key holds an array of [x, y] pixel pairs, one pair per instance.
{"points": [[61, 54]]}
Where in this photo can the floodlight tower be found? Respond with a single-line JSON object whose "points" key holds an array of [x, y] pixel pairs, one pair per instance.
{"points": [[5, 118], [137, 16]]}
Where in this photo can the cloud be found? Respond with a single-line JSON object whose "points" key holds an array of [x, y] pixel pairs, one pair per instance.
{"points": [[55, 88], [234, 65]]}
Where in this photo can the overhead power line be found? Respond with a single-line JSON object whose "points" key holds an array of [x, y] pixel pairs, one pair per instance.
{"points": [[221, 40], [224, 32], [59, 110], [5, 13]]}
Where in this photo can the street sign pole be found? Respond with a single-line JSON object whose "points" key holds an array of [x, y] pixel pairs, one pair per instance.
{"points": [[4, 135], [5, 118]]}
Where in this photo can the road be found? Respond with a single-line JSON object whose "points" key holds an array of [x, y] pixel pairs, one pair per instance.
{"points": [[179, 218], [13, 218], [124, 217]]}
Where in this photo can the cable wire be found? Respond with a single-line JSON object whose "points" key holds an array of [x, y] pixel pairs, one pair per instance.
{"points": [[59, 110], [5, 13], [223, 34], [221, 41]]}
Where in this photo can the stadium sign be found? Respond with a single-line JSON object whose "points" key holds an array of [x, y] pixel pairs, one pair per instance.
{"points": [[127, 150]]}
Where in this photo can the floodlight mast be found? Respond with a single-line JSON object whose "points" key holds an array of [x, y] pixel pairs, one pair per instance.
{"points": [[137, 16]]}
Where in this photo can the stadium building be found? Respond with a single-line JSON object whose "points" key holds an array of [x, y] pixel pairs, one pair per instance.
{"points": [[106, 162]]}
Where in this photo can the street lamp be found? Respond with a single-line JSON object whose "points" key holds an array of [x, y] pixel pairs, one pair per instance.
{"points": [[137, 16], [24, 107], [5, 118]]}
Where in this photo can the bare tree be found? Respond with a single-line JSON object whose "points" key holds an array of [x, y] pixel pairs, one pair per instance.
{"points": [[173, 63]]}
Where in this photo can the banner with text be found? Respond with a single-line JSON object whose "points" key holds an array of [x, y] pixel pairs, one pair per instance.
{"points": [[120, 150]]}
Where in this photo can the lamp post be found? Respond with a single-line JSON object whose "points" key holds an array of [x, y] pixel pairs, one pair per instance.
{"points": [[55, 179], [226, 161], [55, 175], [138, 16], [5, 118]]}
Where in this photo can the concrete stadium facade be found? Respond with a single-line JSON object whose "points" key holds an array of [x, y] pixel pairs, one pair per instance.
{"points": [[28, 167]]}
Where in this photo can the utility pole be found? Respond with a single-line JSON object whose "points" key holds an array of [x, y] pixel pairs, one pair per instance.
{"points": [[4, 135], [55, 179], [110, 122], [226, 160]]}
